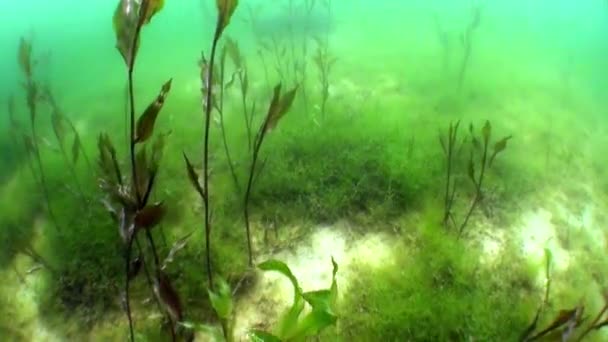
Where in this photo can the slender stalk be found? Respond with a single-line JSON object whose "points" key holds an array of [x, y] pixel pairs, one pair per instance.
{"points": [[73, 172], [593, 324], [208, 108], [256, 150], [147, 272], [134, 183], [157, 268], [449, 150], [132, 135], [223, 129], [43, 182], [127, 286], [477, 189], [245, 112]]}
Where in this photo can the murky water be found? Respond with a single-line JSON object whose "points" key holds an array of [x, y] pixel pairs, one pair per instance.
{"points": [[449, 155]]}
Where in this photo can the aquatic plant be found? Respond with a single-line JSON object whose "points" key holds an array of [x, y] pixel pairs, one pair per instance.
{"points": [[467, 41], [242, 74], [485, 162], [294, 326], [61, 124], [279, 106], [225, 10], [27, 63], [448, 144], [444, 40], [568, 324], [129, 203], [480, 159], [324, 62], [232, 50]]}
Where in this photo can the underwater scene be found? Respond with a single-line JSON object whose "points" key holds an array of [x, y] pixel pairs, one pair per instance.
{"points": [[304, 170]]}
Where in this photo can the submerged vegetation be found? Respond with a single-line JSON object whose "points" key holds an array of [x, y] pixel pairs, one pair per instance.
{"points": [[175, 233]]}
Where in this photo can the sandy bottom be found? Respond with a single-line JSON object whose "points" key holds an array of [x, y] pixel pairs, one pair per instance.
{"points": [[310, 262]]}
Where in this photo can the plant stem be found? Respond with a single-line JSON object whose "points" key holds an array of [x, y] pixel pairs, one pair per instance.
{"points": [[208, 107], [223, 129], [256, 150], [245, 112], [127, 283], [45, 190], [134, 183], [134, 178], [594, 323], [477, 189]]}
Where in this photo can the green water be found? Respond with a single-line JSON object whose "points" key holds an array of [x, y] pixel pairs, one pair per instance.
{"points": [[433, 241]]}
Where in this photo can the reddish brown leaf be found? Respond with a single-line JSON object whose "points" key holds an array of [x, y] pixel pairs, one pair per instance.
{"points": [[168, 297], [150, 216], [145, 124]]}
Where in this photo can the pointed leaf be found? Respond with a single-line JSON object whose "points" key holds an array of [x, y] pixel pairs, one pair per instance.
{"points": [[157, 152], [221, 299], [193, 177], [143, 172], [225, 10], [486, 132], [279, 106], [150, 216], [107, 158], [232, 48], [471, 169], [25, 56], [145, 124], [499, 146], [168, 297], [152, 7], [177, 246]]}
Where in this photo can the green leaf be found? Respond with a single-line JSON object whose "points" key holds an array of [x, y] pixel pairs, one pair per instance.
{"points": [[319, 300], [262, 336], [225, 10], [289, 322], [288, 325], [313, 323], [281, 267], [146, 122], [221, 299]]}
